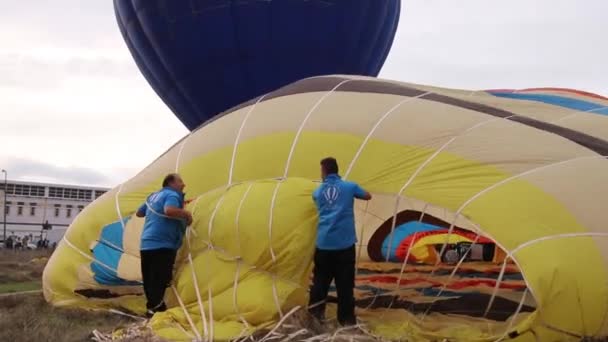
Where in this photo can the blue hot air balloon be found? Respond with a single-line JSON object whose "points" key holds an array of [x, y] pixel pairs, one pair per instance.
{"points": [[205, 56]]}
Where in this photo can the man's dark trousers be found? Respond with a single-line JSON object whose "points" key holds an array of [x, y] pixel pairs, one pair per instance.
{"points": [[157, 271], [337, 265]]}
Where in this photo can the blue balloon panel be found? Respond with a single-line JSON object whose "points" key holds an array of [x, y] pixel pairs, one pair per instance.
{"points": [[203, 57]]}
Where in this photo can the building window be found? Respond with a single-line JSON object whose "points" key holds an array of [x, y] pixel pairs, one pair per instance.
{"points": [[68, 212], [80, 208], [37, 191], [55, 192], [7, 209], [32, 211], [85, 194], [56, 212], [19, 211], [10, 188]]}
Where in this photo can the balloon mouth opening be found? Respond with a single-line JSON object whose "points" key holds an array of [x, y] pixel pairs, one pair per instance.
{"points": [[434, 270]]}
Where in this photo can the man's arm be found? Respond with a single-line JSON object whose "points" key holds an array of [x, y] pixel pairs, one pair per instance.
{"points": [[362, 194], [173, 210], [141, 212]]}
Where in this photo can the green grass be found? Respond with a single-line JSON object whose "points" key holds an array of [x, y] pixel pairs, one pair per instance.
{"points": [[21, 286]]}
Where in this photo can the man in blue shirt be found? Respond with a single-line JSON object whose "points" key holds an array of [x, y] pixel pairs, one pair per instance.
{"points": [[164, 227], [335, 255]]}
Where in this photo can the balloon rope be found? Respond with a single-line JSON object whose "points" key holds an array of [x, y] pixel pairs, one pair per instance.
{"points": [[427, 162], [510, 254], [179, 152], [304, 121], [513, 317], [474, 197], [407, 257], [238, 138], [239, 261], [375, 127], [211, 322], [278, 185], [494, 186], [235, 302], [197, 290], [117, 203], [65, 239], [238, 216], [272, 254], [508, 180], [208, 268], [361, 232], [452, 274], [219, 203], [186, 313]]}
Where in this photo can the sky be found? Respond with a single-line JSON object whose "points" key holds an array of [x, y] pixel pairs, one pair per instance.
{"points": [[75, 109]]}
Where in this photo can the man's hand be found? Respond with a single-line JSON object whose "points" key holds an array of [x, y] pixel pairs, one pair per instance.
{"points": [[179, 214], [188, 218], [367, 196]]}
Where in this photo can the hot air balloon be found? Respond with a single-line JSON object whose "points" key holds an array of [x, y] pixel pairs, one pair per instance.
{"points": [[487, 220], [203, 57]]}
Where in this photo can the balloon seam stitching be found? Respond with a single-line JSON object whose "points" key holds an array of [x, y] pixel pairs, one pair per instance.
{"points": [[576, 113]]}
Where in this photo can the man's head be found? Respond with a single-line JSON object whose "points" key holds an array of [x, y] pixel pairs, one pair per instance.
{"points": [[329, 166], [174, 181]]}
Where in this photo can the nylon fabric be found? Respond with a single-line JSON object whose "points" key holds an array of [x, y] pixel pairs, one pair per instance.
{"points": [[533, 190]]}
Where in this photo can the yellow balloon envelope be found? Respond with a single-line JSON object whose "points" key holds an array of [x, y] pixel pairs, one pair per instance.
{"points": [[526, 170]]}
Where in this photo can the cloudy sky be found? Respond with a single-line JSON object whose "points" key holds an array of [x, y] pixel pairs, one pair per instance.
{"points": [[75, 109]]}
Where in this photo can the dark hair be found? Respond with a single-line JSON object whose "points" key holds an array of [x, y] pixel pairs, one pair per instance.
{"points": [[330, 165], [170, 178]]}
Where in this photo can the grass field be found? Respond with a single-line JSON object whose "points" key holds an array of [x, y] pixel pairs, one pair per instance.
{"points": [[27, 317], [21, 270]]}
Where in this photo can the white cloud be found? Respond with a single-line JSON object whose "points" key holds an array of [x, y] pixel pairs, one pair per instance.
{"points": [[482, 44]]}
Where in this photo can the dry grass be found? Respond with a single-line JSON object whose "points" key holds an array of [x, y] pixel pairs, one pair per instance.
{"points": [[29, 318], [302, 327], [298, 327], [22, 266]]}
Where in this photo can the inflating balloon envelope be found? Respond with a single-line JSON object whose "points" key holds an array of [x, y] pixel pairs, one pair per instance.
{"points": [[487, 223]]}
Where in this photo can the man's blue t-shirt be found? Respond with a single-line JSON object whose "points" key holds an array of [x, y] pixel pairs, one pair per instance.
{"points": [[335, 200], [161, 231]]}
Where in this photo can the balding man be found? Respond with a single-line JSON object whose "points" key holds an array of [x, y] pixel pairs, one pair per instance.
{"points": [[165, 223]]}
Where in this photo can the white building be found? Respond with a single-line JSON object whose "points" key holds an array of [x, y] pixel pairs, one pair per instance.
{"points": [[29, 205]]}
